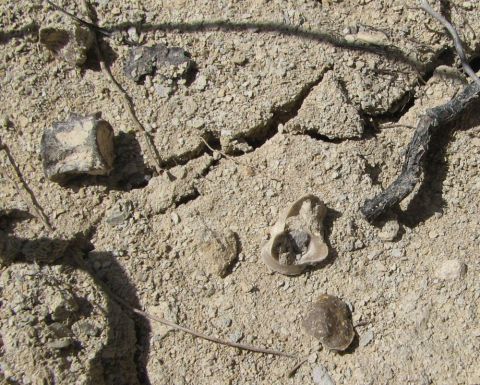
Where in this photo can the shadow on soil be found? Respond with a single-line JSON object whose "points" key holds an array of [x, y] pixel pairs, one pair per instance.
{"points": [[118, 368]]}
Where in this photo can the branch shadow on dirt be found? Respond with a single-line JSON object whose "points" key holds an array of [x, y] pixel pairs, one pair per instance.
{"points": [[227, 26], [429, 198], [118, 368], [281, 29], [129, 169]]}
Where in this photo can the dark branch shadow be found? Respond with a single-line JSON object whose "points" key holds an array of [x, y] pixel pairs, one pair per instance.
{"points": [[251, 27], [27, 30], [276, 28], [118, 367]]}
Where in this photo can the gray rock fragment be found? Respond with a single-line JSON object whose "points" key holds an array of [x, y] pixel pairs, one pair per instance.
{"points": [[389, 231], [366, 338], [451, 269], [171, 63], [119, 213], [327, 111], [320, 376], [219, 252], [81, 145], [69, 43]]}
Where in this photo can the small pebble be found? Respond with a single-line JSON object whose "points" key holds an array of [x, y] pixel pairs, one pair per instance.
{"points": [[366, 338], [451, 269], [321, 377], [236, 336]]}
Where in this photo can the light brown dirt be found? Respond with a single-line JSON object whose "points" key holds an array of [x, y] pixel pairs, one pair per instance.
{"points": [[144, 235]]}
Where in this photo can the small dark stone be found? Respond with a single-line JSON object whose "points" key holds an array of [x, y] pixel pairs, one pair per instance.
{"points": [[143, 61]]}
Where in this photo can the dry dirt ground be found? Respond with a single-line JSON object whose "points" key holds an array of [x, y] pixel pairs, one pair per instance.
{"points": [[298, 95]]}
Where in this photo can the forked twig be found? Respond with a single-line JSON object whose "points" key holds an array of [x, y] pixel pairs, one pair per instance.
{"points": [[247, 167], [22, 187], [457, 42]]}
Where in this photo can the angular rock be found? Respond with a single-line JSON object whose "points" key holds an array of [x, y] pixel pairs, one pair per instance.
{"points": [[389, 231], [159, 59], [81, 145], [219, 252], [451, 269], [327, 111], [329, 321], [320, 376], [70, 43], [164, 191]]}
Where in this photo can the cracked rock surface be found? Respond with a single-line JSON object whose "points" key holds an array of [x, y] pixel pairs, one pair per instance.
{"points": [[292, 97]]}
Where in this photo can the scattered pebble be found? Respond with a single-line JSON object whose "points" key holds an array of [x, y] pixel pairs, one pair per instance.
{"points": [[69, 41], [218, 252], [451, 269], [320, 376], [389, 231], [236, 336], [366, 338]]}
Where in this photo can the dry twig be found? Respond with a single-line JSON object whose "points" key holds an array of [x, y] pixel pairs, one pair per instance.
{"points": [[22, 188], [247, 167], [173, 325]]}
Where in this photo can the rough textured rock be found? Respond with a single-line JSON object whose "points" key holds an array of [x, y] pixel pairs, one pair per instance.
{"points": [[451, 269], [329, 321], [327, 111], [81, 145], [218, 251], [177, 185], [160, 60], [320, 376]]}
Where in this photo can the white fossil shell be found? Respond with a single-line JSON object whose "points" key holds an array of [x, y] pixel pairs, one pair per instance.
{"points": [[293, 247]]}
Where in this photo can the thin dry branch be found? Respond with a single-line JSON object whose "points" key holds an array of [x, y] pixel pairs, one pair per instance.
{"points": [[173, 325], [15, 176], [456, 39], [77, 19], [417, 149]]}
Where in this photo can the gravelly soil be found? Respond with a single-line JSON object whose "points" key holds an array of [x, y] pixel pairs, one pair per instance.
{"points": [[295, 97]]}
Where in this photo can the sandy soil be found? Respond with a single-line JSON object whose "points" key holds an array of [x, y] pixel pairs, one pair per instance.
{"points": [[294, 97]]}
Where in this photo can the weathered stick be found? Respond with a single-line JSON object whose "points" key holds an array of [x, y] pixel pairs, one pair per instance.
{"points": [[412, 168]]}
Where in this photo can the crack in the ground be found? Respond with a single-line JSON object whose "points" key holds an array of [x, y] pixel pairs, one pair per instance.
{"points": [[280, 115]]}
